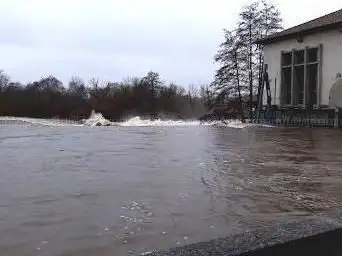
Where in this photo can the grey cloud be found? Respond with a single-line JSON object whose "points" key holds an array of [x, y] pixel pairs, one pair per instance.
{"points": [[113, 39]]}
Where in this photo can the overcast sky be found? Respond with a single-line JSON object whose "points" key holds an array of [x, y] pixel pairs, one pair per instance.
{"points": [[114, 39]]}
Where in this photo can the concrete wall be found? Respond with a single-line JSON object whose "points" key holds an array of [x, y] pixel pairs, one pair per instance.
{"points": [[331, 61]]}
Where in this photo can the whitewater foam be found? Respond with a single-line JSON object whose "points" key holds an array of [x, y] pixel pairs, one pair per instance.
{"points": [[37, 121], [97, 119], [228, 123], [137, 121]]}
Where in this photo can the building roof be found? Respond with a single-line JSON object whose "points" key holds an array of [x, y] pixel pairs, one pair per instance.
{"points": [[327, 22]]}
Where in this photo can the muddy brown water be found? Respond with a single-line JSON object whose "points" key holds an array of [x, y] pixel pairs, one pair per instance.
{"points": [[127, 190]]}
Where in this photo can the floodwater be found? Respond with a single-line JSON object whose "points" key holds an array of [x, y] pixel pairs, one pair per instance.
{"points": [[74, 190]]}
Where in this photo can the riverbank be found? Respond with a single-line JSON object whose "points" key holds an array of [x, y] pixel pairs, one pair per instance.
{"points": [[311, 236]]}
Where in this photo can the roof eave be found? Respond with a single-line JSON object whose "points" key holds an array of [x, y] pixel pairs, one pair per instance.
{"points": [[273, 39]]}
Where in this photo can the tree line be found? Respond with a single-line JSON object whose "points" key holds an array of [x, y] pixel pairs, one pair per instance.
{"points": [[240, 61], [240, 57], [148, 97]]}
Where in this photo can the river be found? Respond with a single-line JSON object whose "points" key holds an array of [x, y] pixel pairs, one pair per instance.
{"points": [[70, 189]]}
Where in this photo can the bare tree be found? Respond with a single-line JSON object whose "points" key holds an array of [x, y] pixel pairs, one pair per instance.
{"points": [[240, 57], [77, 87], [248, 32], [230, 79], [94, 83], [153, 82], [4, 80], [270, 22]]}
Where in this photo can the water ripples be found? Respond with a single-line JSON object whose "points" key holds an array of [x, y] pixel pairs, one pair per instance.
{"points": [[131, 190]]}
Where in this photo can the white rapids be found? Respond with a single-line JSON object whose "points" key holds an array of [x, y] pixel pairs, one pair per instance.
{"points": [[97, 119]]}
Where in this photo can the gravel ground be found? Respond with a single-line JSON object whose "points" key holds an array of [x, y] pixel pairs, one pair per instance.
{"points": [[248, 243]]}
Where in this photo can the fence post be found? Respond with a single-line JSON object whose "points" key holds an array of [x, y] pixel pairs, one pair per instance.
{"points": [[336, 121]]}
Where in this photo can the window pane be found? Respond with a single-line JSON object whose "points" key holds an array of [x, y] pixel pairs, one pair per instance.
{"points": [[286, 86], [299, 85], [312, 71], [312, 55], [299, 57], [286, 59]]}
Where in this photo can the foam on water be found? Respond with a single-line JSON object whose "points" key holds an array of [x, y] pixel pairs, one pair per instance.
{"points": [[37, 121], [137, 121], [237, 124], [97, 119]]}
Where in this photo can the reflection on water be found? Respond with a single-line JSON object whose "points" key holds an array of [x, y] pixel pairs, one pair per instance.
{"points": [[122, 190]]}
